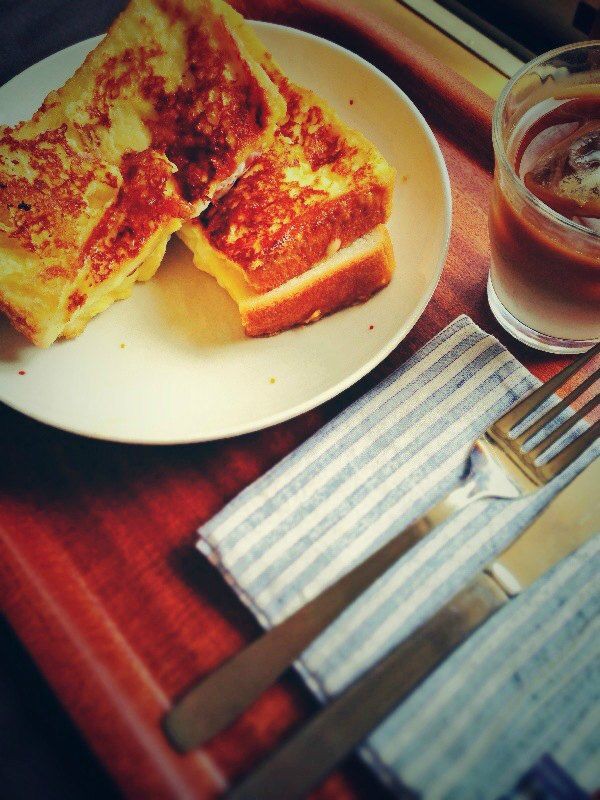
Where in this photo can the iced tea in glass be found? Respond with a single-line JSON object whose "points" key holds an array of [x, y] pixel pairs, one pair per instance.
{"points": [[544, 284]]}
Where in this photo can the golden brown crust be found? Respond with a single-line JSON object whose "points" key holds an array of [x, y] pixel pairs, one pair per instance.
{"points": [[41, 215], [206, 125], [160, 115], [318, 188], [354, 283]]}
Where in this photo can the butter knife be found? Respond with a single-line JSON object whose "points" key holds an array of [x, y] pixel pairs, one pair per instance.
{"points": [[343, 724]]}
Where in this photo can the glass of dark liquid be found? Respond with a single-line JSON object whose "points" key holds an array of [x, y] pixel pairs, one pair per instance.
{"points": [[544, 284]]}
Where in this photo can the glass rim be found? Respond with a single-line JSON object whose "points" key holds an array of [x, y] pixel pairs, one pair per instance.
{"points": [[500, 150]]}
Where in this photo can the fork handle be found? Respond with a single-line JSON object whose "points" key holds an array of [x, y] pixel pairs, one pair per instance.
{"points": [[217, 701]]}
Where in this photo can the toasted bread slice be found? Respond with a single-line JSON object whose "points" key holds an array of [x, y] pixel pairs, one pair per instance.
{"points": [[318, 188], [349, 276], [163, 115]]}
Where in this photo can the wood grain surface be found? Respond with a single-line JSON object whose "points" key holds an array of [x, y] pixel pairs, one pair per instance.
{"points": [[98, 572]]}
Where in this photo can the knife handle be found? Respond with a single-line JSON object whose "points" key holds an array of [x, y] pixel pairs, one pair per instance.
{"points": [[216, 702], [336, 730]]}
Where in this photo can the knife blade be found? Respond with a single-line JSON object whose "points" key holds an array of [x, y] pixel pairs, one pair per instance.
{"points": [[342, 725]]}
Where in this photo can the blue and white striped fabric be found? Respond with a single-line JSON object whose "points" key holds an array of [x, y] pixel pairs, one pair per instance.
{"points": [[526, 683]]}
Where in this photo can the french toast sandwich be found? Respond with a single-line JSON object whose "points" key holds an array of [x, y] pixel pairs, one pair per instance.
{"points": [[162, 117], [302, 232]]}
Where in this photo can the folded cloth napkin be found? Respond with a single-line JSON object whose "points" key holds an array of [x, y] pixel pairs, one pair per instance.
{"points": [[523, 686]]}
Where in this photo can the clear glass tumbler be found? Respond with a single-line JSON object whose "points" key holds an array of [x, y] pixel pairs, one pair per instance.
{"points": [[544, 283]]}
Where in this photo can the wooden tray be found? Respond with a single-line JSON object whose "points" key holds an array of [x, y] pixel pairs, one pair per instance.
{"points": [[98, 572]]}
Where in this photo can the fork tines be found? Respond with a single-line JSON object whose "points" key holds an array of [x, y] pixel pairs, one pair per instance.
{"points": [[520, 412]]}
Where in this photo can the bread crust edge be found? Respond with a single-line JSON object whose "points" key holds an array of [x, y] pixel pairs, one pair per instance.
{"points": [[351, 283]]}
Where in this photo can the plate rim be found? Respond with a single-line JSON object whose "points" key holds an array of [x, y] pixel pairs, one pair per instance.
{"points": [[336, 389]]}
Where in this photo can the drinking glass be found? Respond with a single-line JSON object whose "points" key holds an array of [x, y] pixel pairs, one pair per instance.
{"points": [[544, 283]]}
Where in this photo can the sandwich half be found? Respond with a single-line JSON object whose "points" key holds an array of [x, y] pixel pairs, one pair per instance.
{"points": [[162, 117], [301, 233]]}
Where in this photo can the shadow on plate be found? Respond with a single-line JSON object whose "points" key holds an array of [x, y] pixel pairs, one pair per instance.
{"points": [[196, 309], [12, 343]]}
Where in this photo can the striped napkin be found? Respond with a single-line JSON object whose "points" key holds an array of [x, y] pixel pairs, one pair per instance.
{"points": [[526, 684]]}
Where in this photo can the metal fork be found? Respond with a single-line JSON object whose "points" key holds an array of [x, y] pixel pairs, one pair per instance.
{"points": [[498, 467]]}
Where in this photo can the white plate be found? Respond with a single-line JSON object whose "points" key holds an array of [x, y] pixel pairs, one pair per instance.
{"points": [[171, 364]]}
